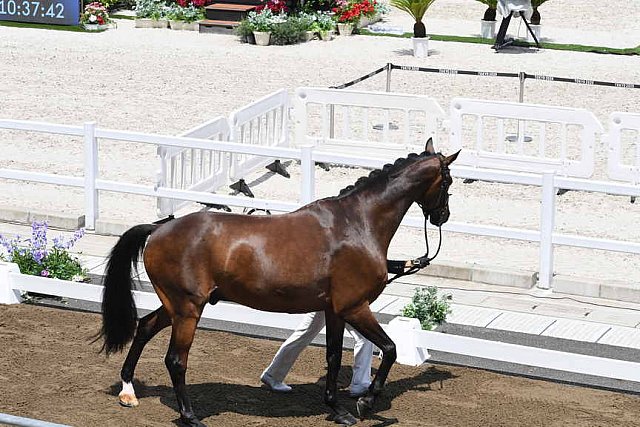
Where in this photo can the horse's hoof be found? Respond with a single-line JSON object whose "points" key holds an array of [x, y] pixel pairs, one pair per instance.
{"points": [[345, 419], [364, 405], [128, 400]]}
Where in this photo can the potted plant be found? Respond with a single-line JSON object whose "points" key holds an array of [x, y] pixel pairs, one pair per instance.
{"points": [[175, 15], [324, 25], [244, 30], [488, 22], [287, 31], [535, 19], [428, 308], [95, 17], [36, 257], [417, 9], [306, 22], [348, 13], [262, 23], [144, 9], [190, 16]]}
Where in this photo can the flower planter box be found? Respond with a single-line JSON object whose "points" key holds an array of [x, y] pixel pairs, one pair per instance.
{"points": [[95, 27], [191, 26], [326, 35], [262, 38], [176, 25], [160, 23], [144, 23], [365, 21], [345, 29]]}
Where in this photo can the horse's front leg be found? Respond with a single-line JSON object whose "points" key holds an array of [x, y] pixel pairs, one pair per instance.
{"points": [[182, 333], [335, 334], [364, 322]]}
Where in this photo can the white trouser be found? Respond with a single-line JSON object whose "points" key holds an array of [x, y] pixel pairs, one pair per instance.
{"points": [[308, 329]]}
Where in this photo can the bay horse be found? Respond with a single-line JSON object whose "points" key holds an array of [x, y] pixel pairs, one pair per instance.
{"points": [[336, 265]]}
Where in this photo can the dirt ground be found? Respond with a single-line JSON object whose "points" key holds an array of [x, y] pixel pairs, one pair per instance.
{"points": [[50, 371]]}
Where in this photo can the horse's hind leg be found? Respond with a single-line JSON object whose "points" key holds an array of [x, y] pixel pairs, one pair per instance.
{"points": [[182, 333], [335, 334], [148, 327]]}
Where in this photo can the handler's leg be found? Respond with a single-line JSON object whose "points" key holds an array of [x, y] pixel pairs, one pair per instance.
{"points": [[362, 354], [289, 351]]}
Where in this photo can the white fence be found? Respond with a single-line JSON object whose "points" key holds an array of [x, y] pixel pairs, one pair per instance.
{"points": [[192, 169], [261, 123], [350, 122], [408, 340], [308, 155], [618, 168], [564, 139]]}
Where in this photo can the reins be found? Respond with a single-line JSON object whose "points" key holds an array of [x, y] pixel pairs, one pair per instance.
{"points": [[419, 263]]}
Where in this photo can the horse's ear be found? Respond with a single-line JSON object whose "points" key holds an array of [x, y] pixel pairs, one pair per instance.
{"points": [[450, 159], [428, 148]]}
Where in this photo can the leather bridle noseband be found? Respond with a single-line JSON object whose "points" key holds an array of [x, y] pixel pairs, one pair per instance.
{"points": [[419, 263]]}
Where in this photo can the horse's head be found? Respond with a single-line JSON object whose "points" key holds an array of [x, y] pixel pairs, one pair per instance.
{"points": [[435, 200]]}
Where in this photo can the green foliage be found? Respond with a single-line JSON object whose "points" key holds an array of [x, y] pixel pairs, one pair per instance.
{"points": [[415, 8], [287, 32], [323, 22], [262, 21], [192, 13], [536, 3], [428, 308], [244, 29], [154, 9]]}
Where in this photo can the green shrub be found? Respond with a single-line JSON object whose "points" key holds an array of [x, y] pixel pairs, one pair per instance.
{"points": [[287, 32], [428, 308]]}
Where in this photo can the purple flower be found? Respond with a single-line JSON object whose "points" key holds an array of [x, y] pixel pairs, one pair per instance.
{"points": [[44, 273]]}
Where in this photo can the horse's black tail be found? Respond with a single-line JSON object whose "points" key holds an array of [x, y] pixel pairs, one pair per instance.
{"points": [[119, 313]]}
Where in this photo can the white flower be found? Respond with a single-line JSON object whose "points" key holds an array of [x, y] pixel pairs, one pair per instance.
{"points": [[93, 18], [77, 278]]}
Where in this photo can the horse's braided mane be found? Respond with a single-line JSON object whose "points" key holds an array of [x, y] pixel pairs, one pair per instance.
{"points": [[386, 170]]}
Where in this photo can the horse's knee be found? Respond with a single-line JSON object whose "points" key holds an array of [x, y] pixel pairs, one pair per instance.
{"points": [[389, 352], [174, 364], [330, 397]]}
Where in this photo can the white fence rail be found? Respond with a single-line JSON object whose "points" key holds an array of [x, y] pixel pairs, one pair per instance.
{"points": [[564, 139], [308, 156], [406, 338]]}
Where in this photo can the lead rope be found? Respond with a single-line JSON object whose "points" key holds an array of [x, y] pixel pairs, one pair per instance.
{"points": [[423, 261]]}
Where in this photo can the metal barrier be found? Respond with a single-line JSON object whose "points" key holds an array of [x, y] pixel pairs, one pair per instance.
{"points": [[12, 420]]}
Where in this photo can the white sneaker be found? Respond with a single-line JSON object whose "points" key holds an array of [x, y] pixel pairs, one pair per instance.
{"points": [[274, 385]]}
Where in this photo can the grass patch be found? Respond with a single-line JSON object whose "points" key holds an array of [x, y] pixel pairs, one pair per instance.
{"points": [[75, 28], [116, 16], [551, 46]]}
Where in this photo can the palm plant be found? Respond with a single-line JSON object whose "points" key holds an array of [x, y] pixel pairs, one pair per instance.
{"points": [[535, 18], [417, 9], [490, 13]]}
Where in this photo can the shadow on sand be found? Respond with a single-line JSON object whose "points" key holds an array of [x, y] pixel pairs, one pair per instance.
{"points": [[211, 399]]}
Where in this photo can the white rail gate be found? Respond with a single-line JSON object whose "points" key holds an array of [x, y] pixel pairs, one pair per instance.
{"points": [[543, 138], [193, 169], [263, 123], [624, 160], [381, 124]]}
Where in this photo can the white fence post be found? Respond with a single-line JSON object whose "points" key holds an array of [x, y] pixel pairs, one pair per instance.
{"points": [[7, 294], [90, 175], [308, 174], [547, 221]]}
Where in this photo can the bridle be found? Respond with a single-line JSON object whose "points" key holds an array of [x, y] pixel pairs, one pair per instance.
{"points": [[442, 206]]}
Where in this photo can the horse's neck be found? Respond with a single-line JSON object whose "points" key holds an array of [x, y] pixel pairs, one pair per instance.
{"points": [[387, 214]]}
